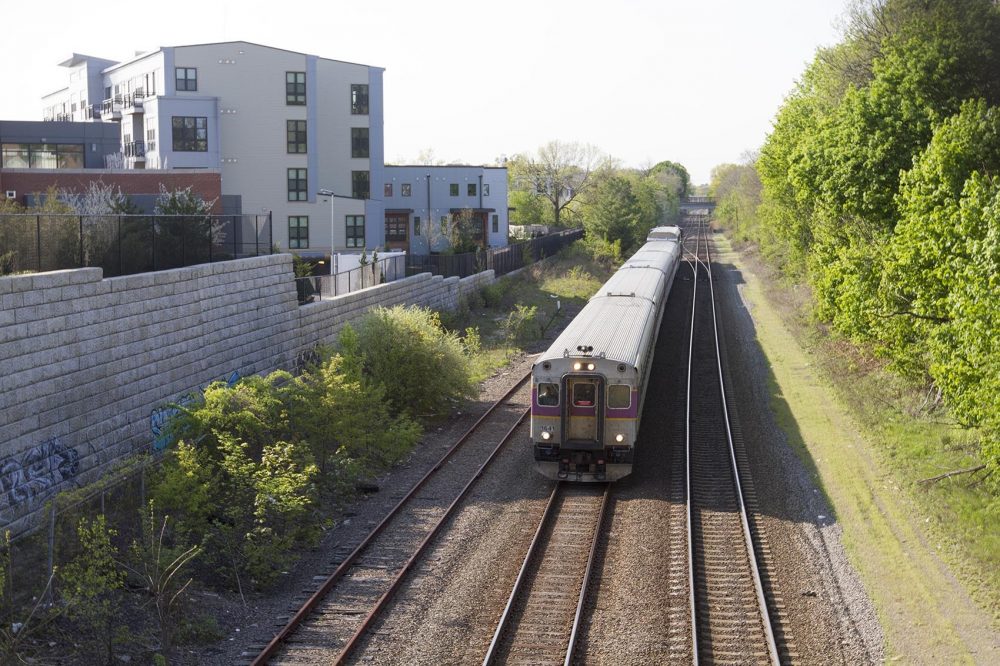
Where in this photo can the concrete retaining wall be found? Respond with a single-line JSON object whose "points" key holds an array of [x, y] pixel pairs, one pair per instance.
{"points": [[92, 368]]}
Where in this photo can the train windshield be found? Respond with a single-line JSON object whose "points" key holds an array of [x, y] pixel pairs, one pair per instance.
{"points": [[619, 396], [548, 395], [583, 395]]}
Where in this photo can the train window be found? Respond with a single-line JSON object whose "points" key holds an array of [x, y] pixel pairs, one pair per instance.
{"points": [[619, 396], [548, 395], [583, 395]]}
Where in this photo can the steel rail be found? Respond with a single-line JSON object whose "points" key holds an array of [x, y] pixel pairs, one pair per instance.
{"points": [[687, 457], [748, 537], [522, 574], [310, 604], [586, 575], [492, 652], [398, 580]]}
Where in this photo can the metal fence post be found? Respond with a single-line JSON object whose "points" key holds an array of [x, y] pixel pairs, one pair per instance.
{"points": [[152, 242], [81, 241], [52, 546], [120, 267], [38, 241]]}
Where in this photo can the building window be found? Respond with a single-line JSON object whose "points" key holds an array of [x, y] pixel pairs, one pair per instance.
{"points": [[296, 130], [416, 225], [190, 134], [387, 189], [471, 189], [295, 88], [359, 99], [298, 232], [359, 142], [297, 189], [41, 156], [486, 189], [359, 185], [453, 189], [496, 224], [187, 78], [404, 189], [355, 225]]}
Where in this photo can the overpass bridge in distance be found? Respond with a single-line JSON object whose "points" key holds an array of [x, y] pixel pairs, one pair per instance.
{"points": [[697, 204]]}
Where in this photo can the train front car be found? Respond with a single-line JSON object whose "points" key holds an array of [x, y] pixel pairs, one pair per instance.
{"points": [[588, 389]]}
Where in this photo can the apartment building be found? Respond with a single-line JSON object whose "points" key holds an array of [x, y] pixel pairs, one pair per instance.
{"points": [[280, 126], [422, 203]]}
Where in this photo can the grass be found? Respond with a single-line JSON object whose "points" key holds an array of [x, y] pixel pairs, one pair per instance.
{"points": [[857, 427], [517, 312]]}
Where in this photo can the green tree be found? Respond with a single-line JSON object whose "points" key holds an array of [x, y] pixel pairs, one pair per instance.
{"points": [[613, 214], [92, 587], [559, 173]]}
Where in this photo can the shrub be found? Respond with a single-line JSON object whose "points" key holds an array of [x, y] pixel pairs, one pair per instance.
{"points": [[522, 323], [246, 512], [92, 585], [422, 367], [347, 421]]}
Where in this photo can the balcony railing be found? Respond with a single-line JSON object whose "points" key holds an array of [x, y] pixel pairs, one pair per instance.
{"points": [[135, 149], [92, 112]]}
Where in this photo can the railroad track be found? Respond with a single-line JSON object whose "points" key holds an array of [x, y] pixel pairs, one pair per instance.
{"points": [[541, 621], [730, 619], [345, 604]]}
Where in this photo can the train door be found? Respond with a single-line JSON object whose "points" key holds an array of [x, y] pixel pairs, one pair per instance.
{"points": [[583, 409]]}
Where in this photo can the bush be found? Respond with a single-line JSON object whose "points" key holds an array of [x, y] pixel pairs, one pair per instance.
{"points": [[92, 588], [347, 421], [422, 367], [522, 324], [247, 513]]}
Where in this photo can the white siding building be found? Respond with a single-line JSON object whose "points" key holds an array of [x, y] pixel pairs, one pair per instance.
{"points": [[421, 203], [279, 125]]}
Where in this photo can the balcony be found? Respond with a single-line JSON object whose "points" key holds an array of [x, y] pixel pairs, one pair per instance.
{"points": [[92, 112], [135, 150], [132, 102], [111, 109]]}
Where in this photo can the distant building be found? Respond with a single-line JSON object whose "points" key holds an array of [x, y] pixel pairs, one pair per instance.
{"points": [[423, 202], [278, 125]]}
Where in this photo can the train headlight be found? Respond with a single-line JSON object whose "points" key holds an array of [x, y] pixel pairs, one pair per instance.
{"points": [[577, 365], [619, 438], [590, 366], [546, 435]]}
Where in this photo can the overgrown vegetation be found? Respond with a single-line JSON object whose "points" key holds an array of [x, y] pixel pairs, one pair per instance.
{"points": [[879, 190], [880, 186], [258, 467]]}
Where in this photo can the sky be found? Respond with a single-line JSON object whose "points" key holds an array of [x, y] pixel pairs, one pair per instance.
{"points": [[692, 81]]}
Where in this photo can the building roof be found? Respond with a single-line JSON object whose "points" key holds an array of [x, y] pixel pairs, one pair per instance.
{"points": [[140, 56]]}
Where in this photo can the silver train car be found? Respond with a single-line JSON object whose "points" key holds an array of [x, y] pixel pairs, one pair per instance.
{"points": [[588, 389]]}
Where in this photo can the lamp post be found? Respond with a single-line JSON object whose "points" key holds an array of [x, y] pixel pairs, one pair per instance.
{"points": [[333, 223]]}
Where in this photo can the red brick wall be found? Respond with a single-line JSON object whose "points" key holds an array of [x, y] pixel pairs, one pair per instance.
{"points": [[205, 183]]}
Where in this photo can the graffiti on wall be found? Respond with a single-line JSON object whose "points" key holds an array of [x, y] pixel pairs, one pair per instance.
{"points": [[30, 476], [160, 417]]}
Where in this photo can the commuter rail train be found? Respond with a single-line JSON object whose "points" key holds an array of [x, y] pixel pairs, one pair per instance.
{"points": [[588, 389]]}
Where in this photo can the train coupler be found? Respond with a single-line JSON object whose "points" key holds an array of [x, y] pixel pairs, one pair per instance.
{"points": [[563, 468]]}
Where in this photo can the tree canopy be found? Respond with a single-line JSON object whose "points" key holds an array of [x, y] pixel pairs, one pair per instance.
{"points": [[879, 184]]}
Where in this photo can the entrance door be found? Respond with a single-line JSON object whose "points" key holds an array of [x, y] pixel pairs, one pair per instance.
{"points": [[583, 394], [397, 231]]}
